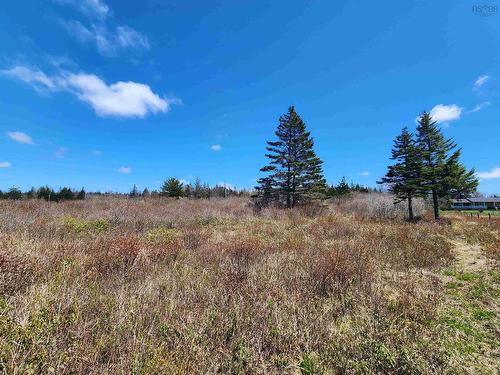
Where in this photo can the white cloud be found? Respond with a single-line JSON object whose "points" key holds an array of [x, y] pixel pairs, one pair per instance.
{"points": [[494, 173], [97, 152], [443, 113], [479, 107], [20, 137], [216, 147], [35, 77], [481, 80], [90, 8], [120, 99], [60, 152], [125, 170], [4, 164], [364, 173]]}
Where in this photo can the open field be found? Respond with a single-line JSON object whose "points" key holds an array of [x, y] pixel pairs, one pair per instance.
{"points": [[157, 286]]}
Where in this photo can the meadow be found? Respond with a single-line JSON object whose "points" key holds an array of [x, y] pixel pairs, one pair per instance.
{"points": [[182, 286]]}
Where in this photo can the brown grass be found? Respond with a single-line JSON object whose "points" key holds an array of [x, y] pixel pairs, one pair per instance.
{"points": [[110, 286]]}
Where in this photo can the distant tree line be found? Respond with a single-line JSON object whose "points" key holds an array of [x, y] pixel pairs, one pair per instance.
{"points": [[175, 188], [343, 188], [427, 165], [44, 192]]}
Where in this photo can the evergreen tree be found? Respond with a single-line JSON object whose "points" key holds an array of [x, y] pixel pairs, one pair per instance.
{"points": [[172, 187], [145, 192], [81, 195], [458, 182], [403, 178], [188, 191], [443, 176], [198, 188], [342, 188], [207, 192], [134, 193], [66, 194], [295, 172], [30, 194], [266, 193], [14, 194], [46, 193]]}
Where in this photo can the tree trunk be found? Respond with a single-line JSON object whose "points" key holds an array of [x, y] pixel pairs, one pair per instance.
{"points": [[435, 203], [410, 209]]}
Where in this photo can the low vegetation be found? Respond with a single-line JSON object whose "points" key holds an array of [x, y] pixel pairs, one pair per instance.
{"points": [[158, 285]]}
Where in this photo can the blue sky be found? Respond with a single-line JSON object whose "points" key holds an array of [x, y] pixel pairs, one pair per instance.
{"points": [[104, 94]]}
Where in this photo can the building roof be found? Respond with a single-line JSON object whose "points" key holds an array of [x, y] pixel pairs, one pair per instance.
{"points": [[477, 200]]}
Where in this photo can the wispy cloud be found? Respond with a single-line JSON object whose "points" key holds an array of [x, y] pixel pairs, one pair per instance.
{"points": [[59, 61], [108, 42], [60, 153], [90, 8], [494, 173], [126, 37], [34, 77], [479, 107], [4, 164], [120, 99], [109, 39], [125, 170], [97, 152], [481, 80], [216, 147], [20, 137], [445, 113], [364, 173]]}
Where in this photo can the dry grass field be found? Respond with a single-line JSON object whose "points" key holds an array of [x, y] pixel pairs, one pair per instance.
{"points": [[158, 286]]}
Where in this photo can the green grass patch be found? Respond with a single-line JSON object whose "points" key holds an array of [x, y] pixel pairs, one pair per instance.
{"points": [[81, 226], [162, 235], [469, 335]]}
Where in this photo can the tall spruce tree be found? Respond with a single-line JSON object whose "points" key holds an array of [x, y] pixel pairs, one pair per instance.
{"points": [[295, 172], [443, 176], [134, 193], [403, 178]]}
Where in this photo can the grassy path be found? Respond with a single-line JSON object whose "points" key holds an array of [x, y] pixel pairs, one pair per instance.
{"points": [[470, 313]]}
